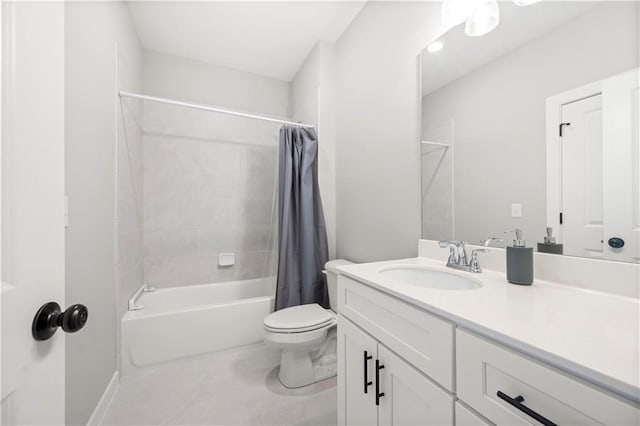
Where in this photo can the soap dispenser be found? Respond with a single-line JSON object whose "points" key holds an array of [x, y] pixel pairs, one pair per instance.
{"points": [[550, 245], [519, 261]]}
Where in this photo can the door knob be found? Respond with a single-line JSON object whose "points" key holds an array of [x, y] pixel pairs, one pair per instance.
{"points": [[616, 242], [49, 317]]}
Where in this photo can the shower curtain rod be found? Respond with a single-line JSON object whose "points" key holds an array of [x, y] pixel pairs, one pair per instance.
{"points": [[211, 108]]}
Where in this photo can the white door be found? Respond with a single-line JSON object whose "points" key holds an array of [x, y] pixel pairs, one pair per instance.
{"points": [[582, 202], [356, 376], [409, 397], [621, 177], [32, 201]]}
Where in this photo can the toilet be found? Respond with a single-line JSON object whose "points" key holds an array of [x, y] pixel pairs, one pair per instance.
{"points": [[306, 334]]}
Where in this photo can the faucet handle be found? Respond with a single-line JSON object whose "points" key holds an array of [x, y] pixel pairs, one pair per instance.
{"points": [[453, 250], [447, 243], [474, 263]]}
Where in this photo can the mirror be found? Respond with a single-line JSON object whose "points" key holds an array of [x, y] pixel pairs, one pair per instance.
{"points": [[493, 107]]}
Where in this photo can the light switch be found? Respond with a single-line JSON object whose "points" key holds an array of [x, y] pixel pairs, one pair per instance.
{"points": [[516, 210]]}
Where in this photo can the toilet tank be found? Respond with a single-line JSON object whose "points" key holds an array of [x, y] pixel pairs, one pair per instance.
{"points": [[332, 280]]}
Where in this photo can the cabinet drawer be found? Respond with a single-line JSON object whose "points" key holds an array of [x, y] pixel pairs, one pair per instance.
{"points": [[485, 368], [421, 338]]}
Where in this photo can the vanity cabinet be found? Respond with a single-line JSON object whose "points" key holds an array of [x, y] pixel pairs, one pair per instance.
{"points": [[398, 364], [377, 387]]}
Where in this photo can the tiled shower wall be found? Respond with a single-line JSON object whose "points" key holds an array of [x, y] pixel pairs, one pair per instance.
{"points": [[209, 188]]}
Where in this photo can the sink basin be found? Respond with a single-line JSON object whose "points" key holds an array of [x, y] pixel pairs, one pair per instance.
{"points": [[429, 278]]}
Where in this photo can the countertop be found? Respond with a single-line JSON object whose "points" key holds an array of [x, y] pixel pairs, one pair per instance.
{"points": [[590, 334]]}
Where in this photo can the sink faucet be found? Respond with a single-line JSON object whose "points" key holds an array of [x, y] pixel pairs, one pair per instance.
{"points": [[458, 256]]}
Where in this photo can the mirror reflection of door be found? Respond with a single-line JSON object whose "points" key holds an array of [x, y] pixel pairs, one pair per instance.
{"points": [[581, 226], [597, 206]]}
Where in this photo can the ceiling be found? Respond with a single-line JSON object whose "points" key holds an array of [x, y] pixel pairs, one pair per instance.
{"points": [[271, 39], [462, 54]]}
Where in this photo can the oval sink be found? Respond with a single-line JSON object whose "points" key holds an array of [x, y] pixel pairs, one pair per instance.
{"points": [[429, 278]]}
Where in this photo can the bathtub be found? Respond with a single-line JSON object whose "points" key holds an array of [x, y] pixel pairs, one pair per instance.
{"points": [[186, 321]]}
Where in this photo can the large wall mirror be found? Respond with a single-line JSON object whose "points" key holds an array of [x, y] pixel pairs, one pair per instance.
{"points": [[535, 125]]}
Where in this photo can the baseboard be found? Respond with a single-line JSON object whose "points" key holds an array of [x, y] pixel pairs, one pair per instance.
{"points": [[103, 404]]}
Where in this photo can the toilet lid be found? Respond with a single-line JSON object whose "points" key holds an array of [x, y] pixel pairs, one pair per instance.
{"points": [[298, 317]]}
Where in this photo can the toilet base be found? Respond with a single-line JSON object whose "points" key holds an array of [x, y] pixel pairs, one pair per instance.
{"points": [[300, 368]]}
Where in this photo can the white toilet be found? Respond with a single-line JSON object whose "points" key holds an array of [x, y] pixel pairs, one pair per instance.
{"points": [[306, 334]]}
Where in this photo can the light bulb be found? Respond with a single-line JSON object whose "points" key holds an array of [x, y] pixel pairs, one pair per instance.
{"points": [[525, 2], [484, 19], [455, 12]]}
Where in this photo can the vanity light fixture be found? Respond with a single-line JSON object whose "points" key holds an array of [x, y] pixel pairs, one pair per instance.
{"points": [[479, 16], [434, 47], [484, 19], [525, 2]]}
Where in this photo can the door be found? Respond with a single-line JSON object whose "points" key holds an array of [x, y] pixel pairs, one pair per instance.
{"points": [[621, 174], [409, 397], [357, 352], [32, 208], [582, 168]]}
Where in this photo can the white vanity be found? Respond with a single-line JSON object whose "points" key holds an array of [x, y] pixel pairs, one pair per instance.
{"points": [[489, 354]]}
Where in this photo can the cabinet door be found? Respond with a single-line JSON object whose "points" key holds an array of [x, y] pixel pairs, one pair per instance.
{"points": [[409, 397], [466, 417], [356, 387]]}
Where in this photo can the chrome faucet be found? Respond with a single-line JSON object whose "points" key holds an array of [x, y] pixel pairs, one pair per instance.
{"points": [[458, 256], [487, 241]]}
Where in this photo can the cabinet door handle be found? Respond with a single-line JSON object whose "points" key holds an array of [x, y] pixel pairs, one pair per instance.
{"points": [[518, 403], [367, 382], [378, 393]]}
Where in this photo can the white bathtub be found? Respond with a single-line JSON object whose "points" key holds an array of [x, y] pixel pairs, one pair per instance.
{"points": [[192, 320]]}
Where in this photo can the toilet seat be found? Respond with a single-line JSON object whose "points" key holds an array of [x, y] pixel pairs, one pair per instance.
{"points": [[299, 319]]}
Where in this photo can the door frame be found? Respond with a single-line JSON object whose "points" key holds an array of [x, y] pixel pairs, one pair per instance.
{"points": [[554, 106]]}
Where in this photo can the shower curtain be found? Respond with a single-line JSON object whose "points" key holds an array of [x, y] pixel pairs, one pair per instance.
{"points": [[303, 249]]}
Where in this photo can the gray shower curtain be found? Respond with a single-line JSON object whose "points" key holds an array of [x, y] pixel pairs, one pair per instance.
{"points": [[303, 249]]}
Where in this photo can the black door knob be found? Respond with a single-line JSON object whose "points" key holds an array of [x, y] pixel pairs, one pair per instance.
{"points": [[616, 242], [49, 317]]}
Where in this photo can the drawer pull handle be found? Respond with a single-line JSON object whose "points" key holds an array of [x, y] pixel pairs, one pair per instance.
{"points": [[517, 402], [367, 382], [378, 393]]}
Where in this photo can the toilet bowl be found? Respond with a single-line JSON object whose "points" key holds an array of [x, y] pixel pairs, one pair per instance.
{"points": [[306, 335]]}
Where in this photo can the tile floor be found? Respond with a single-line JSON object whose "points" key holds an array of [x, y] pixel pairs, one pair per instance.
{"points": [[234, 387]]}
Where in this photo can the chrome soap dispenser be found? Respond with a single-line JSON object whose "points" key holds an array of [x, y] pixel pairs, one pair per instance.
{"points": [[519, 261]]}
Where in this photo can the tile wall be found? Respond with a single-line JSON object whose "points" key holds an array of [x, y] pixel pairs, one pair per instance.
{"points": [[209, 188]]}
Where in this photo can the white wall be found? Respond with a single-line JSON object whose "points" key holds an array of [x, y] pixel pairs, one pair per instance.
{"points": [[498, 118], [185, 79], [92, 31], [313, 102], [377, 149]]}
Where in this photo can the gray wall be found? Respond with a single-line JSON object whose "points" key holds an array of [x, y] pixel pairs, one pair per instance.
{"points": [[92, 30], [498, 118], [378, 129], [185, 79], [312, 101]]}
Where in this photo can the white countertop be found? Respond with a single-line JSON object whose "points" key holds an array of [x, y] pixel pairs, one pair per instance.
{"points": [[593, 335]]}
